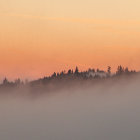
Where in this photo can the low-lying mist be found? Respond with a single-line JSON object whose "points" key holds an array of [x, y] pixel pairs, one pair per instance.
{"points": [[102, 110]]}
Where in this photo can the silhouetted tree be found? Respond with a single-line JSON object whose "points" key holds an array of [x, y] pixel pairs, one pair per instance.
{"points": [[5, 81], [91, 70], [54, 75], [62, 73], [120, 70], [97, 70], [72, 71], [109, 70], [126, 70], [76, 71], [69, 72], [58, 74]]}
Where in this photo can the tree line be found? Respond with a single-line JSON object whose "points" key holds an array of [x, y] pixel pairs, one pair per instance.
{"points": [[74, 74]]}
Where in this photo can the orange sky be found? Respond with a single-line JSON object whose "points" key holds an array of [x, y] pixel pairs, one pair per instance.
{"points": [[38, 37]]}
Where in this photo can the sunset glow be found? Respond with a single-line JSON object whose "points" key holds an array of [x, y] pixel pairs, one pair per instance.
{"points": [[40, 37]]}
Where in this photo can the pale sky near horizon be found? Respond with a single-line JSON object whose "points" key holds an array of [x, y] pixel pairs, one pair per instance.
{"points": [[38, 37]]}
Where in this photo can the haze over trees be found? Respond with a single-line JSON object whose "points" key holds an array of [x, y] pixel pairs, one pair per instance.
{"points": [[67, 79]]}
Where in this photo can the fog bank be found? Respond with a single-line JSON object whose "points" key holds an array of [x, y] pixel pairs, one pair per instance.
{"points": [[108, 110]]}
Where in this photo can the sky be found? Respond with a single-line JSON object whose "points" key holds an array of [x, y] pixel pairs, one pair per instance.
{"points": [[38, 37]]}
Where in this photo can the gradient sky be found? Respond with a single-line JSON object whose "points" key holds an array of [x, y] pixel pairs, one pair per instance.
{"points": [[38, 37]]}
